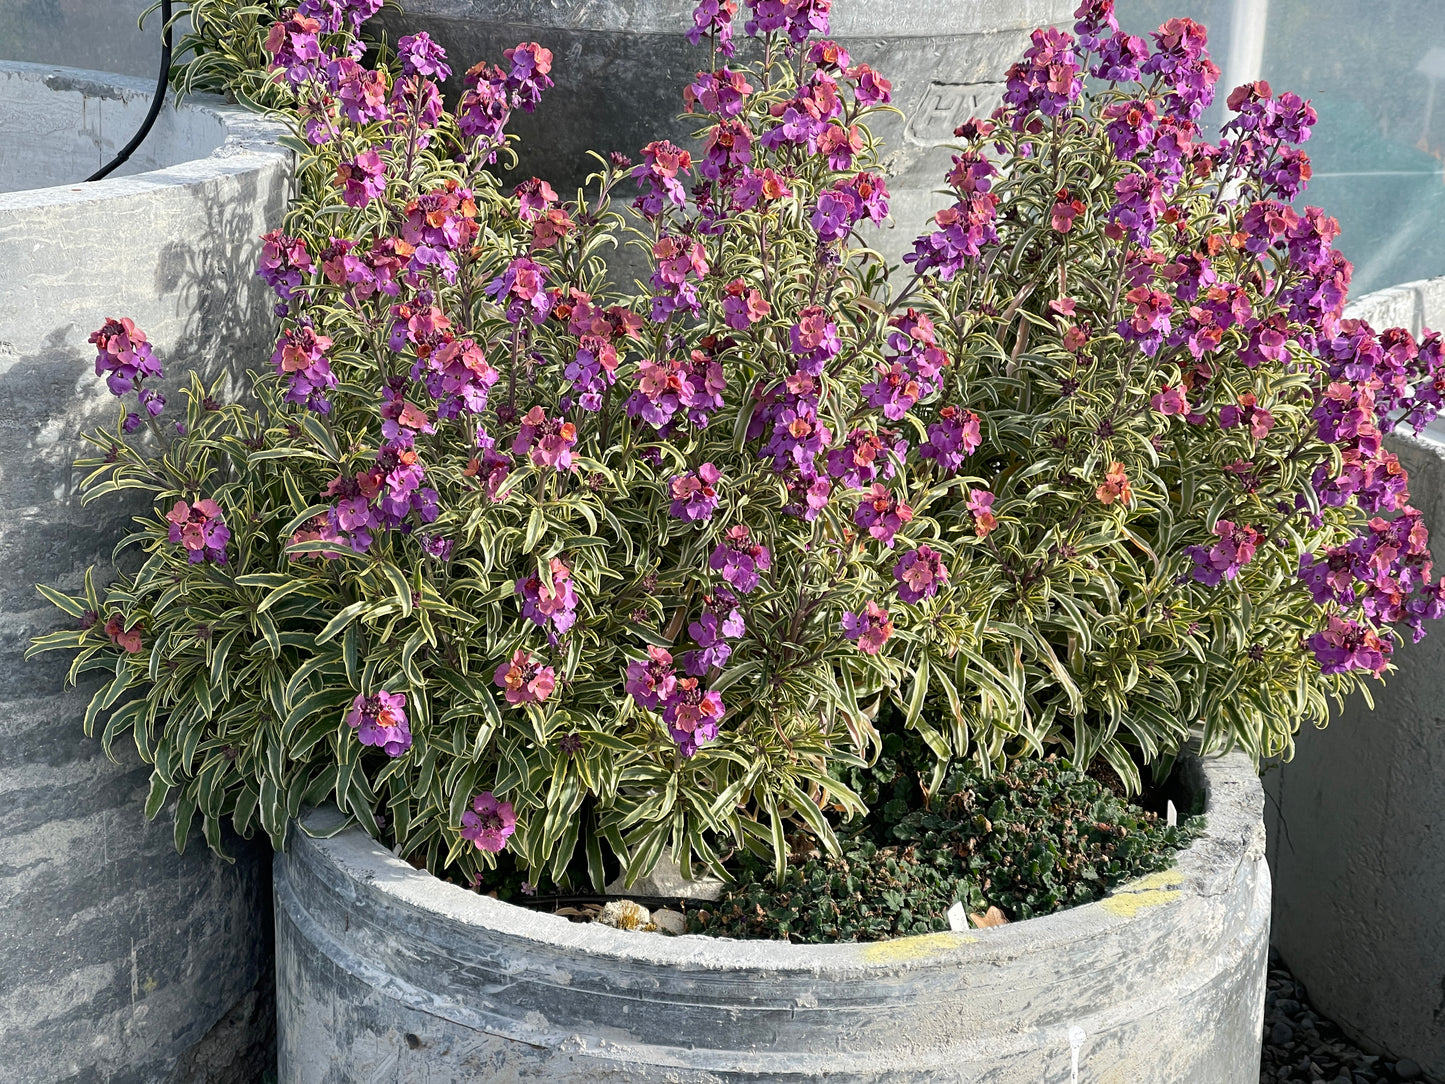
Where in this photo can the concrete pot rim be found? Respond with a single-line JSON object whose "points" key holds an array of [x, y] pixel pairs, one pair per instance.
{"points": [[251, 142], [1206, 868]]}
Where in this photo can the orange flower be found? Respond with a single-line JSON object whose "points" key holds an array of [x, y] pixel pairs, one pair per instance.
{"points": [[1115, 487]]}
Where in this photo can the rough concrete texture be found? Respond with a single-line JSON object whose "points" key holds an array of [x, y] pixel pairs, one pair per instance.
{"points": [[61, 126], [116, 954], [1354, 821], [386, 973], [99, 34], [620, 69]]}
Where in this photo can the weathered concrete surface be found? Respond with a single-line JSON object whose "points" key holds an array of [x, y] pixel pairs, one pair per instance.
{"points": [[61, 126], [620, 69], [99, 34], [1355, 820], [116, 954], [386, 973]]}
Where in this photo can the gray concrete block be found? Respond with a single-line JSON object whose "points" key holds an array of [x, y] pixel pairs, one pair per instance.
{"points": [[1356, 844], [116, 954]]}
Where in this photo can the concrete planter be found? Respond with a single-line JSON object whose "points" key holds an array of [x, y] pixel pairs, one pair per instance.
{"points": [[116, 955], [384, 972], [620, 68], [1355, 840]]}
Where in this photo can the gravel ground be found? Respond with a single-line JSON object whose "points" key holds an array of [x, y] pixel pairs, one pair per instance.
{"points": [[1300, 1045]]}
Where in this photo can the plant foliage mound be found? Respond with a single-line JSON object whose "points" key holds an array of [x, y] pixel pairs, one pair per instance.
{"points": [[504, 555], [1035, 838]]}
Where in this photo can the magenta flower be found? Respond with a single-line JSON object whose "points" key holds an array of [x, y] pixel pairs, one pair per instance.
{"points": [[1224, 559], [692, 715], [743, 305], [300, 356], [489, 823], [362, 179], [652, 682], [870, 629], [920, 574], [522, 287], [740, 559], [694, 496], [548, 441], [660, 175], [284, 264], [1345, 644], [380, 720], [294, 48], [524, 679], [721, 93], [714, 18], [123, 355], [1170, 401], [1249, 414], [420, 55], [1047, 79], [952, 438], [980, 503], [814, 340], [882, 514], [557, 604], [201, 529], [528, 75]]}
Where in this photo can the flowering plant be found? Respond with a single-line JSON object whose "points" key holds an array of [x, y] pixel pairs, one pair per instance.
{"points": [[510, 561]]}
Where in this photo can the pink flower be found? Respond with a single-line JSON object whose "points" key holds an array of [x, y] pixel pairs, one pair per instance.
{"points": [[489, 823], [870, 629], [1170, 401], [380, 720], [548, 441], [882, 514], [980, 503], [362, 179], [920, 574], [694, 496], [692, 715], [651, 683], [525, 680]]}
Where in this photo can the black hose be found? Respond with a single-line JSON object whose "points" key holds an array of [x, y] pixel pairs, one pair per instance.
{"points": [[157, 100]]}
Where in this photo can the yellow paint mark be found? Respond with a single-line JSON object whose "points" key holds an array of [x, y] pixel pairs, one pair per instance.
{"points": [[1151, 891], [913, 948]]}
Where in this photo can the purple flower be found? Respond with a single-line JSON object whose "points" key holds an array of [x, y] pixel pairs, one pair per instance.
{"points": [[952, 438], [651, 682], [285, 264], [694, 495], [714, 18], [1047, 79], [528, 76], [124, 356], [692, 715], [920, 574], [721, 93], [557, 604], [740, 559], [489, 823], [869, 629], [200, 529], [380, 720], [300, 356], [522, 287], [421, 56], [1345, 645], [294, 48], [1224, 559], [882, 514], [362, 179]]}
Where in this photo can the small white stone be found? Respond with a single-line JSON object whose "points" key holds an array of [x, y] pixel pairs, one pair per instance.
{"points": [[668, 921], [625, 915]]}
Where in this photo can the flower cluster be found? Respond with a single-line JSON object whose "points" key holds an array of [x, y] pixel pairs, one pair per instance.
{"points": [[200, 529], [380, 720]]}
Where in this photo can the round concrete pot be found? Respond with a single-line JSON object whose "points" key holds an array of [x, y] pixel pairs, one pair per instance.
{"points": [[384, 972], [620, 68], [1355, 839], [117, 956]]}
